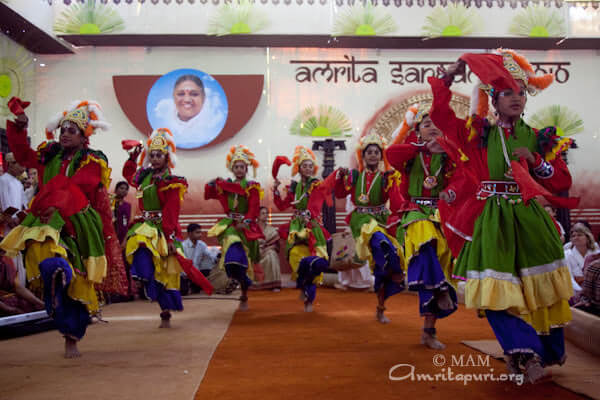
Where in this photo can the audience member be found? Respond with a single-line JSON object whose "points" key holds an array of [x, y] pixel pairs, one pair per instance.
{"points": [[121, 211], [590, 294], [552, 212], [582, 244], [14, 296], [269, 254], [32, 184], [12, 200], [197, 251]]}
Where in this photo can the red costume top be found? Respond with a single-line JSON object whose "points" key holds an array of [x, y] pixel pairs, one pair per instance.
{"points": [[240, 201], [170, 190], [465, 142]]}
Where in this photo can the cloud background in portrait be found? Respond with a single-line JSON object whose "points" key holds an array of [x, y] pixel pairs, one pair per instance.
{"points": [[200, 130]]}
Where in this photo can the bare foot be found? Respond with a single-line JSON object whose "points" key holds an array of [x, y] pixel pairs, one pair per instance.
{"points": [[444, 301], [534, 372], [308, 307], [512, 365], [432, 342], [71, 350], [380, 316], [276, 290], [243, 306], [165, 323]]}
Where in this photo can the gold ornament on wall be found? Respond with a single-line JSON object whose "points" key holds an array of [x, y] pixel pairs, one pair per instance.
{"points": [[388, 122]]}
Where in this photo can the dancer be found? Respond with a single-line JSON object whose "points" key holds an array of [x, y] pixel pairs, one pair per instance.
{"points": [[425, 172], [153, 247], [513, 260], [63, 236], [306, 244], [238, 232], [371, 186]]}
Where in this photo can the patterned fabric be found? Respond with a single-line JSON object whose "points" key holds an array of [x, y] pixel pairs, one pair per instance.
{"points": [[591, 280]]}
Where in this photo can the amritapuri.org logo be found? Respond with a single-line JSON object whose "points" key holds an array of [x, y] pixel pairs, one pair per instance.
{"points": [[408, 372]]}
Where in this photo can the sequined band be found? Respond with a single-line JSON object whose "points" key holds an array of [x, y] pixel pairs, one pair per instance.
{"points": [[425, 201]]}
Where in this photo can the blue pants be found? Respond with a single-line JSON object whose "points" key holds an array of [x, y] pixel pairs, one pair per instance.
{"points": [[71, 316], [236, 265], [387, 263], [309, 268], [517, 336], [425, 275], [143, 269]]}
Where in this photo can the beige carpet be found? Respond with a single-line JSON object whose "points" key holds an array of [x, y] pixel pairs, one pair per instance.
{"points": [[580, 374], [127, 358]]}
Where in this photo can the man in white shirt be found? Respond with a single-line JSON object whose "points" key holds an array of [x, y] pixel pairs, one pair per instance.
{"points": [[197, 251], [12, 195]]}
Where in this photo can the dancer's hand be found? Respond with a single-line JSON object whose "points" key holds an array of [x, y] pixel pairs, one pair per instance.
{"points": [[172, 248], [242, 225], [458, 68], [46, 215], [448, 196], [21, 122], [525, 153], [133, 154], [448, 74]]}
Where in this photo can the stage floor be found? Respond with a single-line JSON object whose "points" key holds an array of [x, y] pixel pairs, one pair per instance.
{"points": [[272, 351]]}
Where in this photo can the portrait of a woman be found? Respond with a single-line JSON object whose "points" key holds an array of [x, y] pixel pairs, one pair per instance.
{"points": [[191, 103]]}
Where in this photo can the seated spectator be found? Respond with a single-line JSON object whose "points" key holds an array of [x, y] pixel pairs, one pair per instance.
{"points": [[582, 244], [31, 185], [121, 211], [359, 278], [269, 254], [14, 297], [12, 201], [552, 212], [590, 294], [197, 251]]}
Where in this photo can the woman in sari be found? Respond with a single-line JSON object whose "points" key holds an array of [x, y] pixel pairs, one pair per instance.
{"points": [[269, 254]]}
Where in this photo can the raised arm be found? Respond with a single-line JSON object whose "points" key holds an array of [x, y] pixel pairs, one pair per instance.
{"points": [[399, 154], [16, 133], [343, 183], [129, 170], [441, 113], [283, 203]]}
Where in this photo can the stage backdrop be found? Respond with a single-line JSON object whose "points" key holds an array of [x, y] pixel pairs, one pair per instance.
{"points": [[362, 88]]}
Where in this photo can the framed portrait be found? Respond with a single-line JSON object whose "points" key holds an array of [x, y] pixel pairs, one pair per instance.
{"points": [[191, 103]]}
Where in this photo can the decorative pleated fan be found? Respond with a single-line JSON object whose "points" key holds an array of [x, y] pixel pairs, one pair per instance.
{"points": [[237, 17], [566, 121], [321, 122], [363, 20], [538, 21], [89, 18], [452, 20]]}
